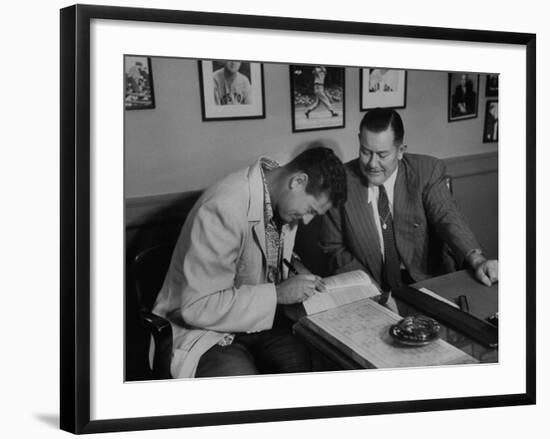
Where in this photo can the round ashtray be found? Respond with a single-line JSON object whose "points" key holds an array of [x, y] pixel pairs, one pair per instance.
{"points": [[415, 330]]}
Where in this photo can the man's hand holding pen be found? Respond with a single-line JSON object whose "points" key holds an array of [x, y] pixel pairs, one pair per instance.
{"points": [[298, 287]]}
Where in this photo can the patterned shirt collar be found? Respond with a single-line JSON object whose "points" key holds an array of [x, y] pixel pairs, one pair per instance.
{"points": [[267, 164], [274, 237]]}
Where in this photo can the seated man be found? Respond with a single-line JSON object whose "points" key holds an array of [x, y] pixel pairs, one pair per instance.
{"points": [[394, 198], [227, 279]]}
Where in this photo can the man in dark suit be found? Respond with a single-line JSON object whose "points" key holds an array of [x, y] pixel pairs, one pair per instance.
{"points": [[464, 98], [394, 199]]}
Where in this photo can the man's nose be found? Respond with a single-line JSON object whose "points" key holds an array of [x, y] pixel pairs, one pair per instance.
{"points": [[373, 161], [307, 218]]}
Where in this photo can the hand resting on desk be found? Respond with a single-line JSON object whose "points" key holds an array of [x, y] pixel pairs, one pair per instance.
{"points": [[485, 270]]}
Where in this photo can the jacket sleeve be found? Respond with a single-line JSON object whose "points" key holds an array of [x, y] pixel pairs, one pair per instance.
{"points": [[210, 297], [444, 215], [333, 244]]}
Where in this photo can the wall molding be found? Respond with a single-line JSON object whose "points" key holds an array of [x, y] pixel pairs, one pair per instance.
{"points": [[470, 165]]}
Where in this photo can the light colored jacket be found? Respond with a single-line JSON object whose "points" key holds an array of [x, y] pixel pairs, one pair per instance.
{"points": [[217, 280]]}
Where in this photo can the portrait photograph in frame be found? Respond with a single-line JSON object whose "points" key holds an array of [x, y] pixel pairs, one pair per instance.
{"points": [[490, 130], [87, 423], [491, 86], [139, 92], [318, 96], [386, 88], [463, 95], [231, 90]]}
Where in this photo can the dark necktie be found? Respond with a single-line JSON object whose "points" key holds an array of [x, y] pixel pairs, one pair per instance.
{"points": [[391, 275]]}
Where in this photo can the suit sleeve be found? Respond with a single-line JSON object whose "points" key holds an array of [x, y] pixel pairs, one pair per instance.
{"points": [[333, 244], [444, 215], [210, 298]]}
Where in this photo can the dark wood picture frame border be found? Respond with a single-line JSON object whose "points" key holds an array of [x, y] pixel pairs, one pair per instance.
{"points": [[75, 218]]}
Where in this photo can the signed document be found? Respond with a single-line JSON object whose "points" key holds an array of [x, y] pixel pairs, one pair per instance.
{"points": [[342, 289]]}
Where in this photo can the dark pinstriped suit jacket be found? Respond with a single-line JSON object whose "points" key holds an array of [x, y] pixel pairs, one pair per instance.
{"points": [[423, 211]]}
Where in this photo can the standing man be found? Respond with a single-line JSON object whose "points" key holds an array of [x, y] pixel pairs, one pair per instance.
{"points": [[231, 87], [319, 74], [394, 199], [227, 280]]}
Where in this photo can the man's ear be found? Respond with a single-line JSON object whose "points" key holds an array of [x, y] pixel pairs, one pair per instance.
{"points": [[401, 150], [298, 180]]}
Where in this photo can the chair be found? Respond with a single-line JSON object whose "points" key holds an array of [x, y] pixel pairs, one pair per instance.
{"points": [[149, 268]]}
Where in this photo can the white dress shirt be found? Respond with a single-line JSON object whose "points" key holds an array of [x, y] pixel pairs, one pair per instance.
{"points": [[372, 199]]}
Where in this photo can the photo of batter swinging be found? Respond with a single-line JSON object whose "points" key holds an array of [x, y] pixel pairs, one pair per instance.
{"points": [[318, 95]]}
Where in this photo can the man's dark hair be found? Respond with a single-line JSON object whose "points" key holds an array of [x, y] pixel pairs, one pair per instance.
{"points": [[326, 173], [379, 119]]}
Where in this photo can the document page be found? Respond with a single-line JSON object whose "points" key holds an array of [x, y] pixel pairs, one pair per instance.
{"points": [[363, 329], [342, 289]]}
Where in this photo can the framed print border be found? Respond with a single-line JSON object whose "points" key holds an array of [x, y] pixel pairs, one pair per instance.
{"points": [[77, 209]]}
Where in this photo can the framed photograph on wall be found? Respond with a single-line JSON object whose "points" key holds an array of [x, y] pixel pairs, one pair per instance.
{"points": [[95, 395], [231, 89], [138, 76], [490, 128], [491, 86], [318, 97], [386, 88], [463, 95]]}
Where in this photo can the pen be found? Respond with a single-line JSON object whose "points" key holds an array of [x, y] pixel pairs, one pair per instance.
{"points": [[290, 267]]}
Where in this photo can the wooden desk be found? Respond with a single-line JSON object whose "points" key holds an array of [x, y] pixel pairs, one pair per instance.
{"points": [[483, 302]]}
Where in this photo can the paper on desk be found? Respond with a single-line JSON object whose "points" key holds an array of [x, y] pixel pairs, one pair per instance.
{"points": [[436, 296], [332, 299], [362, 328], [342, 289]]}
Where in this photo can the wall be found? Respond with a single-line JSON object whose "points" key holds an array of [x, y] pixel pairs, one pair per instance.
{"points": [[170, 149]]}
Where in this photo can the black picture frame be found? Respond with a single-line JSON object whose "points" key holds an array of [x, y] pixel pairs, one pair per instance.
{"points": [[490, 124], [76, 210], [216, 108], [491, 85], [139, 93], [380, 98], [317, 106], [463, 99]]}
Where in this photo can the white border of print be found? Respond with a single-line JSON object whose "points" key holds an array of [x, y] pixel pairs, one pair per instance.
{"points": [[112, 398]]}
